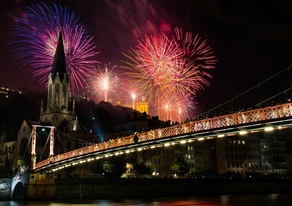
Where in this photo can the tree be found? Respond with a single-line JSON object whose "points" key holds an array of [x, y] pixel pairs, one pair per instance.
{"points": [[114, 168], [180, 167], [142, 169], [119, 166], [107, 168]]}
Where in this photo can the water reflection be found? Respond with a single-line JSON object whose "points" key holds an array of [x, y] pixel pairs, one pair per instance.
{"points": [[225, 200]]}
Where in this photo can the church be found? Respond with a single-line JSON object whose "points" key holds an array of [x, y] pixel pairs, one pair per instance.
{"points": [[57, 112]]}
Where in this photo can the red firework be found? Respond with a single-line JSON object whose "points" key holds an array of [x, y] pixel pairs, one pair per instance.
{"points": [[169, 71]]}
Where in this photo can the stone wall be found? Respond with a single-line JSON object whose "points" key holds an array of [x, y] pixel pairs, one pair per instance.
{"points": [[40, 192], [5, 188], [143, 188]]}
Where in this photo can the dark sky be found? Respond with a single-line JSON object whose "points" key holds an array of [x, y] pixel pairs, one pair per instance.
{"points": [[252, 40]]}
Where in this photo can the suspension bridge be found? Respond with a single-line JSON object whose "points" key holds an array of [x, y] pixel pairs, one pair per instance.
{"points": [[263, 119]]}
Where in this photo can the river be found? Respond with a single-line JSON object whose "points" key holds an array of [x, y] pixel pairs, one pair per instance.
{"points": [[225, 200]]}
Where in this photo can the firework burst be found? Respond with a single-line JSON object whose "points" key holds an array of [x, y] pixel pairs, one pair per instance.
{"points": [[169, 72], [35, 39], [174, 107], [153, 63], [104, 81]]}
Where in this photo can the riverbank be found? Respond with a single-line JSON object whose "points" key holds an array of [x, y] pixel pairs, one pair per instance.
{"points": [[145, 188]]}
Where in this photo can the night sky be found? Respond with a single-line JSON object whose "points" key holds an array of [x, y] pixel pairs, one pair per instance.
{"points": [[252, 40]]}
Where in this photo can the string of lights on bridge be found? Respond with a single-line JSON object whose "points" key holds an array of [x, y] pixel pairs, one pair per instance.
{"points": [[240, 123]]}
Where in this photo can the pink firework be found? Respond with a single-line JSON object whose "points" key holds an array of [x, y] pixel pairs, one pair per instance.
{"points": [[104, 81], [36, 37], [175, 107], [170, 73], [153, 63]]}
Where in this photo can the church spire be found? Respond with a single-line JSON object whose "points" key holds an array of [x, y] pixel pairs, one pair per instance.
{"points": [[59, 65], [59, 106]]}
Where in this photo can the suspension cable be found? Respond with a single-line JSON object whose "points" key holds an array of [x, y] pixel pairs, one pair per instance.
{"points": [[28, 143], [45, 146], [65, 149], [74, 138], [284, 91], [216, 107]]}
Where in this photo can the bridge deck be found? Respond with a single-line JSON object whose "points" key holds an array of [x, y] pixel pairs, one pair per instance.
{"points": [[266, 114]]}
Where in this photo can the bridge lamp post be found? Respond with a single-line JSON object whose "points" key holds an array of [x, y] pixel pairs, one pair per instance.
{"points": [[183, 142], [167, 144], [268, 129], [33, 144]]}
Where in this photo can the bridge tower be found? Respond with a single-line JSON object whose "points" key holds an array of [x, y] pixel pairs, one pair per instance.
{"points": [[33, 144]]}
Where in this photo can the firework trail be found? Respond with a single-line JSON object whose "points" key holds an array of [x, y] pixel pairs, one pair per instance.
{"points": [[35, 39], [196, 50], [103, 81]]}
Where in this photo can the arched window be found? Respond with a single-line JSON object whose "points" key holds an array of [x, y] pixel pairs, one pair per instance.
{"points": [[57, 95]]}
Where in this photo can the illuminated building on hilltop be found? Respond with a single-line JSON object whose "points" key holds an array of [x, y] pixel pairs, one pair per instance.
{"points": [[142, 106]]}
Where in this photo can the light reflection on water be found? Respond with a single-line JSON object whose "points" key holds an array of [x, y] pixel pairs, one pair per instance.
{"points": [[225, 200]]}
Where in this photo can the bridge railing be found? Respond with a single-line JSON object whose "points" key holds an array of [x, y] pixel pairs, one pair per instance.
{"points": [[239, 118]]}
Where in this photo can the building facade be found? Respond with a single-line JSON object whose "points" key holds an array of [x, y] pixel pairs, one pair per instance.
{"points": [[239, 155]]}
